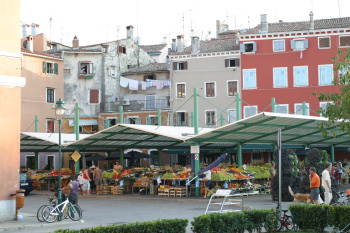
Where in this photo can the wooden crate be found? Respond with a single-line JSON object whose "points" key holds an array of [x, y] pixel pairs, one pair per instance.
{"points": [[163, 192]]}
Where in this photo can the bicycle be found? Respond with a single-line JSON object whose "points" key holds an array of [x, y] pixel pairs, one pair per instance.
{"points": [[52, 203], [50, 213], [285, 222]]}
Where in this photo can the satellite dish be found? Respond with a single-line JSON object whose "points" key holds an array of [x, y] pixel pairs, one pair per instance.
{"points": [[137, 40]]}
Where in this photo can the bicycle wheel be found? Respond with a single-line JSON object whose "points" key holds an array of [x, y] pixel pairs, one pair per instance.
{"points": [[288, 223], [74, 212], [279, 225], [49, 214], [39, 214]]}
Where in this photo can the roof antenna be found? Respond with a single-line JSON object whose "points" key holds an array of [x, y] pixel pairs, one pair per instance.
{"points": [[50, 35], [339, 9], [248, 23]]}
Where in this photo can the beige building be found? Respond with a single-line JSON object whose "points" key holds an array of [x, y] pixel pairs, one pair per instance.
{"points": [[213, 67], [11, 83]]}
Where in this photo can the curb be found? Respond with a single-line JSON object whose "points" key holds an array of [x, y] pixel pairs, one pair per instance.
{"points": [[40, 225]]}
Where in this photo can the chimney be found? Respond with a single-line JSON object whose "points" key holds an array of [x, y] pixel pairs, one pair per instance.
{"points": [[180, 43], [263, 23], [33, 27], [312, 23], [30, 43], [218, 23], [24, 30], [75, 42], [195, 45], [130, 32], [173, 45]]}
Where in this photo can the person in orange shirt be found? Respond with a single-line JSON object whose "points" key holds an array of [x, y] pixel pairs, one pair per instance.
{"points": [[314, 185]]}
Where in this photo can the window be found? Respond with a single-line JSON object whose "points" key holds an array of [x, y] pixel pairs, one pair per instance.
{"points": [[250, 47], [231, 88], [231, 116], [149, 77], [86, 68], [257, 157], [94, 96], [50, 95], [210, 118], [299, 44], [152, 120], [279, 45], [110, 122], [324, 42], [50, 126], [282, 108], [133, 120], [250, 111], [210, 89], [325, 74], [299, 109], [249, 79], [231, 62], [280, 77], [181, 118], [122, 49], [301, 76], [150, 102], [50, 67], [180, 65], [66, 71], [344, 41], [180, 90], [113, 71]]}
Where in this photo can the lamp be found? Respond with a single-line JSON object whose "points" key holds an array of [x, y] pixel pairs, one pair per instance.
{"points": [[59, 110]]}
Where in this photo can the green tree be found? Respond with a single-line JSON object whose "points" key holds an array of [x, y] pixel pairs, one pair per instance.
{"points": [[338, 110]]}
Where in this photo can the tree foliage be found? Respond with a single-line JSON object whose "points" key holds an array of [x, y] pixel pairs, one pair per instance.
{"points": [[338, 108]]}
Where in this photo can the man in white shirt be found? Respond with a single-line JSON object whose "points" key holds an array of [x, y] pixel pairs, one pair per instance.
{"points": [[207, 181], [326, 183]]}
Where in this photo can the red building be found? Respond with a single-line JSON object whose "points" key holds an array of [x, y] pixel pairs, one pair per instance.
{"points": [[289, 61]]}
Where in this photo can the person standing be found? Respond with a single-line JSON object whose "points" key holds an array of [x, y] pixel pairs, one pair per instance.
{"points": [[86, 181], [207, 181], [272, 170], [117, 168], [75, 186], [92, 182], [314, 185], [326, 183], [340, 170], [98, 180]]}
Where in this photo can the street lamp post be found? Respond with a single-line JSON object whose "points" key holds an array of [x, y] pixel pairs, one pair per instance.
{"points": [[59, 108]]}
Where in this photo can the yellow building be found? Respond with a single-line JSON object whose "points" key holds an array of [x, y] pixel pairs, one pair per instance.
{"points": [[11, 83]]}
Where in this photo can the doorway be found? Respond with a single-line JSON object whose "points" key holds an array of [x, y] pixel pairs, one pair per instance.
{"points": [[30, 161], [50, 160]]}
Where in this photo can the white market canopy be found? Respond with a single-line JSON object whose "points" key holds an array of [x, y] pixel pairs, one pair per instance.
{"points": [[258, 129], [84, 122]]}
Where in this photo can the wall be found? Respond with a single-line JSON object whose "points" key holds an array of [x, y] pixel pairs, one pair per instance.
{"points": [[201, 70], [42, 159], [10, 97], [265, 59]]}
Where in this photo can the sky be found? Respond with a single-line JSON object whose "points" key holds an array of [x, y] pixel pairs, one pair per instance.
{"points": [[106, 20]]}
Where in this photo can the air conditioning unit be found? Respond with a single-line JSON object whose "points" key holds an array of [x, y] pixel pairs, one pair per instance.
{"points": [[126, 102]]}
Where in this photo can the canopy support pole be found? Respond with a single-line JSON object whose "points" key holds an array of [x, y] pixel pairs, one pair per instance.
{"points": [[36, 160], [239, 154], [121, 153], [304, 108], [332, 153], [222, 119], [159, 157], [36, 123], [192, 119], [238, 106], [108, 162], [195, 121], [76, 128], [159, 117], [273, 104], [121, 116]]}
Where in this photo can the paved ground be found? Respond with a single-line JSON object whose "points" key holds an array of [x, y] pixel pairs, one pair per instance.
{"points": [[106, 210]]}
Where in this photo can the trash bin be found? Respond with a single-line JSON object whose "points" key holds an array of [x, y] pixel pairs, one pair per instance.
{"points": [[19, 200]]}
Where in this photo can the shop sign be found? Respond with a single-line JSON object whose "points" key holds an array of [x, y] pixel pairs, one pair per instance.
{"points": [[259, 150], [196, 157], [194, 149], [76, 156]]}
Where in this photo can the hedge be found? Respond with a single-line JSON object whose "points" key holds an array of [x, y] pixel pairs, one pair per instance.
{"points": [[158, 226], [250, 220], [319, 217]]}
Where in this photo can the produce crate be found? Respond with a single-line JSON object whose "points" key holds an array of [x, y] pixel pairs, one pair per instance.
{"points": [[117, 190], [164, 192], [180, 192]]}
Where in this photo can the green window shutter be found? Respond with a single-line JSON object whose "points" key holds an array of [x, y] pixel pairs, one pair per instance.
{"points": [[55, 68], [44, 66]]}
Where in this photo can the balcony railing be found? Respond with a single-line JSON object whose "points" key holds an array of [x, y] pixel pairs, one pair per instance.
{"points": [[86, 76], [136, 105]]}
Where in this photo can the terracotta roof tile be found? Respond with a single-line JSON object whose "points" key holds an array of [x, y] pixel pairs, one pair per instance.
{"points": [[82, 50], [153, 48], [150, 68], [303, 25], [214, 45], [39, 53]]}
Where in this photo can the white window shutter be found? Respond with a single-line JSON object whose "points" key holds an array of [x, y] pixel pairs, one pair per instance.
{"points": [[148, 121], [126, 120], [116, 120], [91, 71], [255, 47], [138, 122], [242, 48], [306, 43], [292, 44]]}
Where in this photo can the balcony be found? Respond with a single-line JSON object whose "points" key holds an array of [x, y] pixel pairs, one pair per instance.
{"points": [[136, 105], [86, 76]]}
